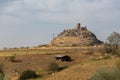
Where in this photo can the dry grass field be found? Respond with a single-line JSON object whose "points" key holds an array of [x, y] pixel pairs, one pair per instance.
{"points": [[83, 71], [81, 68]]}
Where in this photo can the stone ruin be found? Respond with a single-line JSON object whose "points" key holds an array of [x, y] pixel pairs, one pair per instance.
{"points": [[78, 26], [78, 36]]}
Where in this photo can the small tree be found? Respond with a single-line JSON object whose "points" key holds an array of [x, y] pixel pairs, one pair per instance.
{"points": [[103, 74], [114, 38], [114, 41]]}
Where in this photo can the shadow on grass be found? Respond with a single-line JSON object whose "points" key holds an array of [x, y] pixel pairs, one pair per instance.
{"points": [[62, 68], [17, 61]]}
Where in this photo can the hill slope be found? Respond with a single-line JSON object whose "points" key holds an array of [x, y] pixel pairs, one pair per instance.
{"points": [[84, 71], [79, 36]]}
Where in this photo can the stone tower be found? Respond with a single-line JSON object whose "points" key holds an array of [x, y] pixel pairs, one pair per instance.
{"points": [[78, 26]]}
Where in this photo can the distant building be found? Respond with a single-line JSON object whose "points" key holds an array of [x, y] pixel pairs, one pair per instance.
{"points": [[63, 57]]}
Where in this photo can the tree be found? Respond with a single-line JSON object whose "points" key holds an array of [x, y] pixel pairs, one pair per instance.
{"points": [[114, 38], [114, 41]]}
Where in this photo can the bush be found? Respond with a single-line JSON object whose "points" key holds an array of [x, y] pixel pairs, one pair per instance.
{"points": [[107, 56], [1, 72], [107, 48], [1, 76], [93, 59], [53, 67], [1, 68], [41, 72], [62, 67], [113, 49], [28, 74], [104, 74], [10, 58]]}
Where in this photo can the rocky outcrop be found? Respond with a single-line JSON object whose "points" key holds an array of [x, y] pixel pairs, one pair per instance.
{"points": [[79, 36]]}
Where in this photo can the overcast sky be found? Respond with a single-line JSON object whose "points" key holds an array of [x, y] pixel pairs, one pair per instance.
{"points": [[33, 22]]}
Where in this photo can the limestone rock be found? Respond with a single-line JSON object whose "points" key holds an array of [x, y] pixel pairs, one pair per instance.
{"points": [[79, 36]]}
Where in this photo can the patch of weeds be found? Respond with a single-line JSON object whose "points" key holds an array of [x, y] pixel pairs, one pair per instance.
{"points": [[62, 68], [1, 72], [105, 74], [106, 57], [41, 72], [93, 59], [10, 58], [53, 67]]}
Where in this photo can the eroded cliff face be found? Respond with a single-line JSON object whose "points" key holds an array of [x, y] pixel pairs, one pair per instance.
{"points": [[79, 36]]}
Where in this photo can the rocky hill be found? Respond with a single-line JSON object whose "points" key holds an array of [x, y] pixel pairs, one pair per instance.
{"points": [[79, 36]]}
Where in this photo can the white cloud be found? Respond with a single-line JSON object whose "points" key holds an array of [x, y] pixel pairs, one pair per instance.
{"points": [[60, 11], [97, 14]]}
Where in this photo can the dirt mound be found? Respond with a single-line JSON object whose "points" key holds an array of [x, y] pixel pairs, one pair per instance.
{"points": [[79, 36]]}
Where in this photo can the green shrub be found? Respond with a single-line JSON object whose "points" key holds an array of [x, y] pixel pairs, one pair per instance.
{"points": [[10, 58], [107, 56], [28, 74], [103, 74], [115, 50], [112, 49], [1, 76], [1, 72], [53, 67], [1, 68], [93, 59], [42, 72], [62, 67], [107, 48]]}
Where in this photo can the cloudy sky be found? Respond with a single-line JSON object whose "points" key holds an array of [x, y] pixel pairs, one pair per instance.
{"points": [[33, 22]]}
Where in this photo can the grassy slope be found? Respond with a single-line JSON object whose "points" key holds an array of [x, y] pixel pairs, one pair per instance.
{"points": [[84, 71]]}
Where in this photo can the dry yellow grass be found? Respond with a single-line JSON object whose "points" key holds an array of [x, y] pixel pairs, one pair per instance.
{"points": [[40, 50], [82, 72]]}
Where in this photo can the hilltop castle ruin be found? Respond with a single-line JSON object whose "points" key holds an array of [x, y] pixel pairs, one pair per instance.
{"points": [[78, 36]]}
